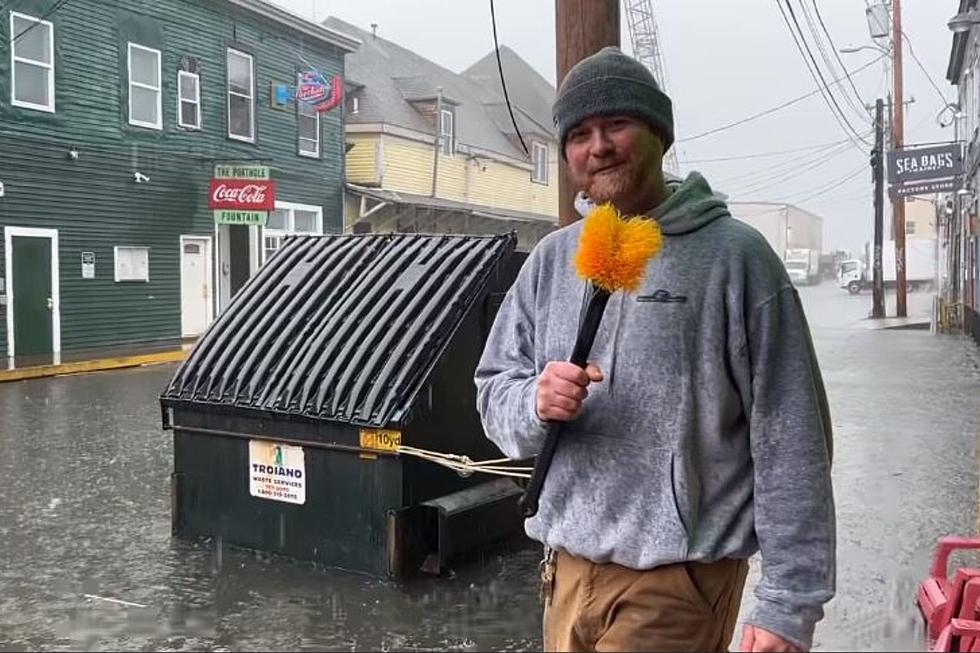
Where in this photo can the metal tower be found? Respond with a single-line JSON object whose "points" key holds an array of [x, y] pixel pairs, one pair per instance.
{"points": [[645, 38]]}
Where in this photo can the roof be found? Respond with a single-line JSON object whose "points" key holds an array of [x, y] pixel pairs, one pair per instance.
{"points": [[528, 91], [343, 328], [283, 16], [396, 197], [393, 77]]}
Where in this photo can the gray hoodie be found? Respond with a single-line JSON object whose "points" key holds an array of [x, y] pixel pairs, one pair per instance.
{"points": [[710, 436]]}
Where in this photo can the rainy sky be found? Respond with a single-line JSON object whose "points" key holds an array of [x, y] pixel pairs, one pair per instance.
{"points": [[725, 60]]}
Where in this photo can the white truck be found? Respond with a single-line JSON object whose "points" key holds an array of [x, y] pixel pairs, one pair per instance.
{"points": [[920, 267], [802, 266]]}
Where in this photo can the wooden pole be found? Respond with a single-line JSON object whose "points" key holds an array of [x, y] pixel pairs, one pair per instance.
{"points": [[582, 28], [898, 125]]}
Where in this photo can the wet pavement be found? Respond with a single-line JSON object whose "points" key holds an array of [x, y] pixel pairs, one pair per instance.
{"points": [[87, 561]]}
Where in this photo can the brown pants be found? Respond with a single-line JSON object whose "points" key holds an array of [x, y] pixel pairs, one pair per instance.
{"points": [[683, 607]]}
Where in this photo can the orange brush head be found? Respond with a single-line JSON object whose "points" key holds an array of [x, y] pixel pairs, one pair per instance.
{"points": [[613, 251]]}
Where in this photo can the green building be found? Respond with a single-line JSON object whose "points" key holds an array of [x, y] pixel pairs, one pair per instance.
{"points": [[114, 116]]}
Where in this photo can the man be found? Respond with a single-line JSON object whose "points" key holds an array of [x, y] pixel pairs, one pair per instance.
{"points": [[701, 433]]}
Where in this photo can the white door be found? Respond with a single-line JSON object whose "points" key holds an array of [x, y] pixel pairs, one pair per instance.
{"points": [[195, 285]]}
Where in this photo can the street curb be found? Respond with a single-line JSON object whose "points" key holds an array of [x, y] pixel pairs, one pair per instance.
{"points": [[97, 365]]}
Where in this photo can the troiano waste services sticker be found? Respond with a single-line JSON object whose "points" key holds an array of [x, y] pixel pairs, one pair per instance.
{"points": [[276, 471]]}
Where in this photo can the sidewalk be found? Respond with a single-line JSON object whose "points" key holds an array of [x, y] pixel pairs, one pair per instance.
{"points": [[93, 360]]}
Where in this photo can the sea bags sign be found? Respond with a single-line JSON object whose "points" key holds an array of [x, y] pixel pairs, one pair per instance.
{"points": [[923, 167], [241, 195]]}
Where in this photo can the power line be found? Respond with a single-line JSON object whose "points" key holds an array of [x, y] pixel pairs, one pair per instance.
{"points": [[753, 176], [503, 82], [829, 63], [762, 155], [779, 179], [834, 184], [815, 71], [767, 112], [58, 4], [923, 68], [833, 47]]}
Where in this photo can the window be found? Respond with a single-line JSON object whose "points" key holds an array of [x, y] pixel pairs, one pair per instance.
{"points": [[241, 96], [188, 100], [355, 105], [289, 219], [910, 227], [32, 62], [539, 161], [132, 263], [144, 87], [446, 135], [308, 127]]}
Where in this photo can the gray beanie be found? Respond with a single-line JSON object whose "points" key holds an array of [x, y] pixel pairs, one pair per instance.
{"points": [[611, 83]]}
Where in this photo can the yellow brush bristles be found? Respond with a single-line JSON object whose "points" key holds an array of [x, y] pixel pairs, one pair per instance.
{"points": [[613, 251]]}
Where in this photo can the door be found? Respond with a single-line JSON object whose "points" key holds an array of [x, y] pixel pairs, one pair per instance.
{"points": [[195, 285], [32, 297]]}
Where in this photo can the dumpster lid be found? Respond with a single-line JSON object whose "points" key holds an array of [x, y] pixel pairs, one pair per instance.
{"points": [[340, 327]]}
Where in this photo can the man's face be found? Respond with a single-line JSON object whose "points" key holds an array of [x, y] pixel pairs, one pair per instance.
{"points": [[614, 159]]}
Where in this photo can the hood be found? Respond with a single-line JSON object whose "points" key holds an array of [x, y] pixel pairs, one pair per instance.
{"points": [[691, 205]]}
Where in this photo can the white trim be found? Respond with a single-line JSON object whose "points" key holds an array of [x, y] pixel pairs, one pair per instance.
{"points": [[197, 100], [8, 252], [535, 159], [115, 263], [290, 229], [209, 263], [157, 89], [299, 136], [447, 149], [251, 96], [14, 59]]}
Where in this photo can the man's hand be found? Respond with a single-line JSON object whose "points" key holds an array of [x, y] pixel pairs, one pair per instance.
{"points": [[562, 387], [757, 639]]}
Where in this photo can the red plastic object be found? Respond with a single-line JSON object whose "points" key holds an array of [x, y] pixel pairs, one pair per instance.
{"points": [[941, 599]]}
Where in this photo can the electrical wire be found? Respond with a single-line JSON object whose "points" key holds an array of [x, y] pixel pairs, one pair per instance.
{"points": [[58, 4], [766, 183], [793, 199], [767, 112], [833, 47], [503, 82], [763, 155], [923, 68], [778, 169], [816, 73]]}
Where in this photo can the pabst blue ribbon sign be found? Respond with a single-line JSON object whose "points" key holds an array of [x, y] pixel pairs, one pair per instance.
{"points": [[241, 200]]}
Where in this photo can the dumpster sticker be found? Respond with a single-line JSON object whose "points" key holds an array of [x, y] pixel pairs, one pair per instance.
{"points": [[276, 471], [383, 439]]}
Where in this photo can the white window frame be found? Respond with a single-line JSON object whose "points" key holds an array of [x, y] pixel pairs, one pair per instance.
{"points": [[290, 208], [181, 74], [115, 264], [540, 152], [447, 141], [14, 59], [251, 96], [299, 138], [158, 89]]}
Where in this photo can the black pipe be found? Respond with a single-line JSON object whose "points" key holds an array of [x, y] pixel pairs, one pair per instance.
{"points": [[587, 329]]}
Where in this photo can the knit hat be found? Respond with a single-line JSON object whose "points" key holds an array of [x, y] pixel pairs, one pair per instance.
{"points": [[611, 83]]}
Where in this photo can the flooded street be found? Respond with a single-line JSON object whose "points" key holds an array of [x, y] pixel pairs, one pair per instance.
{"points": [[87, 561]]}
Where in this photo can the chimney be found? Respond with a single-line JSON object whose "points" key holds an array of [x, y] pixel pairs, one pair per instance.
{"points": [[374, 30]]}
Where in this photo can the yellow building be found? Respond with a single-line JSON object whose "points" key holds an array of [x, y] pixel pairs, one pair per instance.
{"points": [[430, 150]]}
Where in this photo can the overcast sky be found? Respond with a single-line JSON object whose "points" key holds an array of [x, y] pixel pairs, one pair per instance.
{"points": [[725, 61]]}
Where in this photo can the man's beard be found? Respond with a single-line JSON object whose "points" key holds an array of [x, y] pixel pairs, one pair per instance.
{"points": [[609, 186]]}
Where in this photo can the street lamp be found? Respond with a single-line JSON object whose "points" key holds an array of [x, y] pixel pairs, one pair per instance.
{"points": [[964, 22]]}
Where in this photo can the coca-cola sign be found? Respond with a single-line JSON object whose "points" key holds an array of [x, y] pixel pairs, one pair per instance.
{"points": [[242, 194]]}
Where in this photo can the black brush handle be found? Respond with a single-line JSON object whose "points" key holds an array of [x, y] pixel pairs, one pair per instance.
{"points": [[587, 330]]}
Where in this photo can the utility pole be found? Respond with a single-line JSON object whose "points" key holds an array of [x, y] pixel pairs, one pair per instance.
{"points": [[582, 28], [878, 164], [898, 141]]}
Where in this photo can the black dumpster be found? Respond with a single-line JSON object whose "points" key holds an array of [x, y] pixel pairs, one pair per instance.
{"points": [[288, 413]]}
